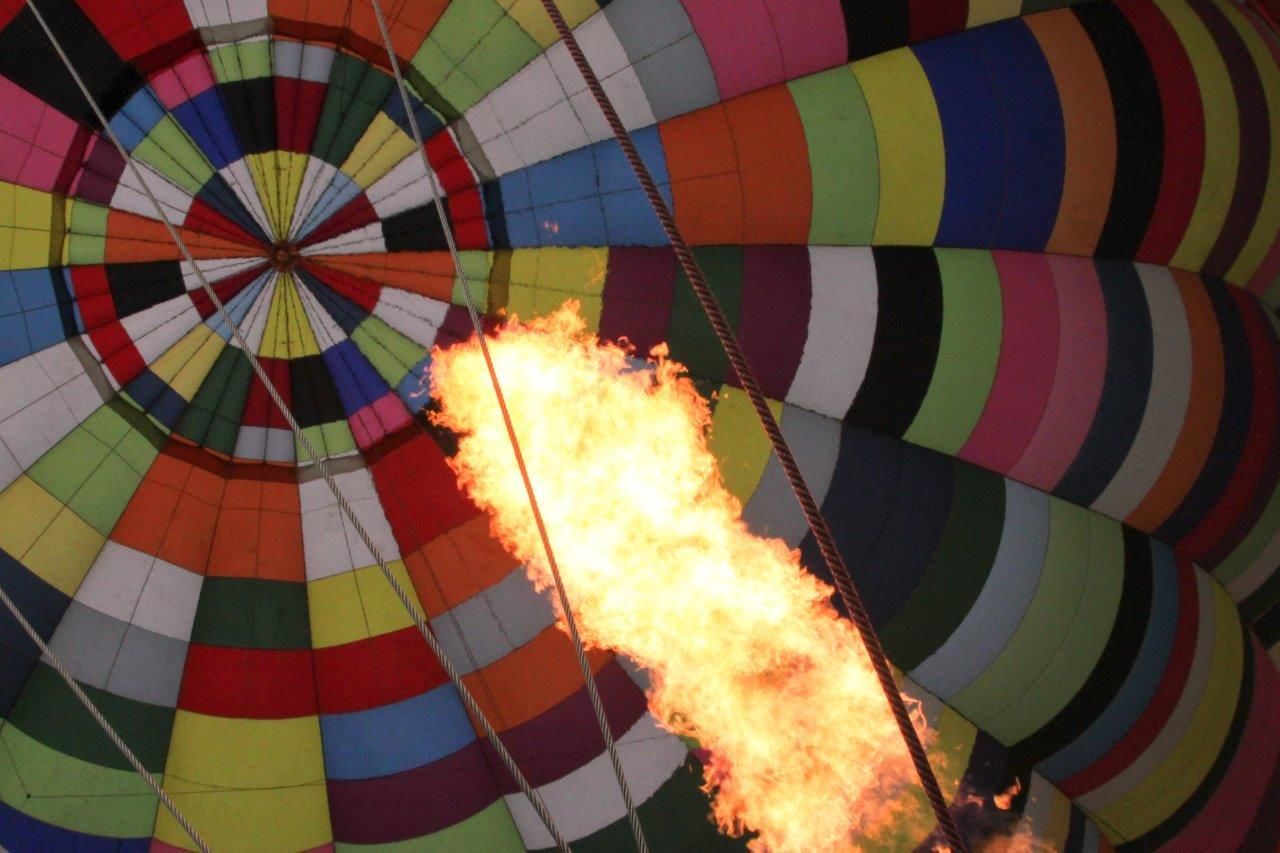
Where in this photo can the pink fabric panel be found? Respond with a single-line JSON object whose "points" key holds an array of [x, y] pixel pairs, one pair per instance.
{"points": [[391, 413], [1078, 376], [184, 81], [1025, 370], [811, 33], [741, 43], [1225, 820], [34, 139]]}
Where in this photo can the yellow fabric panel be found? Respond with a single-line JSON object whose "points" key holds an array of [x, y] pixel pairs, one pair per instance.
{"points": [[290, 168], [542, 279], [533, 19], [262, 167], [1268, 221], [49, 539], [247, 784], [1222, 136], [181, 364], [739, 443], [353, 606], [909, 141], [986, 11], [381, 148], [1170, 785], [288, 333], [25, 216]]}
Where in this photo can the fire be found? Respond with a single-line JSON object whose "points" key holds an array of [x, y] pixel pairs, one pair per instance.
{"points": [[746, 654]]}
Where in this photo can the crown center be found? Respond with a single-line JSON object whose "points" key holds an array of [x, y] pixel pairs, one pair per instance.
{"points": [[283, 256]]}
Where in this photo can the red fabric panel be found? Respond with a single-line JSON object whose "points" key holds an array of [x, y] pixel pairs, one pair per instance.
{"points": [[418, 489], [260, 684], [298, 105], [226, 289], [933, 18], [205, 220], [352, 215], [259, 409], [447, 160], [375, 672], [1183, 131], [98, 312], [360, 291], [149, 33]]}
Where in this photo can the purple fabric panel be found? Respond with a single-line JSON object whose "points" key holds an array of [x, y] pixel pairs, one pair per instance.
{"points": [[638, 291]]}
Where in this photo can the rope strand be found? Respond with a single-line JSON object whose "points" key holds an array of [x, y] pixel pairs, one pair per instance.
{"points": [[593, 691], [419, 620], [813, 515]]}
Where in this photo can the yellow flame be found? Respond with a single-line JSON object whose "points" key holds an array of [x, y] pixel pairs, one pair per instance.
{"points": [[745, 651]]}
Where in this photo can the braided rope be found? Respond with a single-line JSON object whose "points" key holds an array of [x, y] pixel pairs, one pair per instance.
{"points": [[813, 515], [102, 722], [593, 691], [419, 619]]}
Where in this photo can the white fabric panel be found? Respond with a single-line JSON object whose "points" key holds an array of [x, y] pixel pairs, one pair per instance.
{"points": [[143, 590], [1166, 401], [225, 12], [128, 195], [168, 602], [330, 544], [215, 270], [402, 188], [46, 395], [588, 799], [240, 180], [842, 329], [366, 239], [155, 330], [415, 316]]}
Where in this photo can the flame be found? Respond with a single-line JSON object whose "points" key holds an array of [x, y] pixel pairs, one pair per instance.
{"points": [[746, 654]]}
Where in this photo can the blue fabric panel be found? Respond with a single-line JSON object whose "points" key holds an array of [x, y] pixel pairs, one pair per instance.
{"points": [[428, 122], [1148, 669], [43, 605], [206, 120], [338, 193], [565, 178], [415, 388], [14, 343], [394, 738], [1035, 140], [615, 172], [571, 223], [971, 132], [145, 388], [630, 221], [887, 505], [1125, 386], [347, 314], [20, 832], [238, 307], [358, 384], [136, 118]]}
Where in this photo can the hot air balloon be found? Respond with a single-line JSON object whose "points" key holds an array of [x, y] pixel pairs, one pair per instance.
{"points": [[1008, 272]]}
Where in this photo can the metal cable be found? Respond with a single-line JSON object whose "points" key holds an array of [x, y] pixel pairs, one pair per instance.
{"points": [[597, 705], [813, 515], [102, 722], [467, 699]]}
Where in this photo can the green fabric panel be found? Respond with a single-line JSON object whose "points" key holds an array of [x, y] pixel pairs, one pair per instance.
{"points": [[241, 61], [1047, 620], [842, 157], [66, 466], [433, 73], [490, 830], [136, 439], [957, 571], [1079, 647], [356, 92], [171, 153], [472, 49], [217, 395], [331, 439], [972, 323], [502, 52], [65, 791], [693, 341], [87, 229], [47, 711], [252, 613], [391, 353], [477, 266], [676, 817], [103, 497]]}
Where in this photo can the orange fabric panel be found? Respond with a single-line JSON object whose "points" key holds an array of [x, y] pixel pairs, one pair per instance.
{"points": [[353, 26], [1204, 409], [427, 273], [535, 677], [706, 189], [151, 509], [773, 157], [259, 528], [1090, 126], [458, 565], [132, 238]]}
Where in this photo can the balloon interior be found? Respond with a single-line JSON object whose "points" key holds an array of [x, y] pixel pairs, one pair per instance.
{"points": [[1008, 275]]}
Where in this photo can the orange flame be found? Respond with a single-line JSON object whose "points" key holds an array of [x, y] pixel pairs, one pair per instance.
{"points": [[745, 651]]}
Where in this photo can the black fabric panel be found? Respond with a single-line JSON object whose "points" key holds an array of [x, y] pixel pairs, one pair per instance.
{"points": [[1180, 819], [414, 230], [252, 105], [1267, 626], [28, 59], [217, 193], [1114, 664], [1139, 128], [66, 302], [136, 287], [1264, 598], [43, 606], [1125, 386], [1264, 833], [315, 399], [905, 350], [495, 216], [888, 505], [1233, 426], [1075, 831], [874, 26]]}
